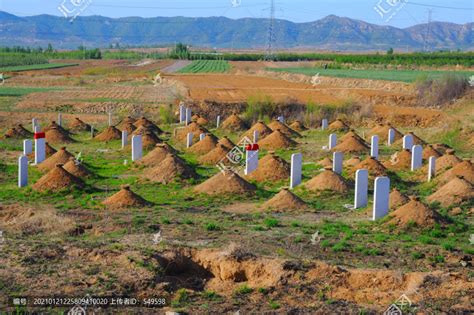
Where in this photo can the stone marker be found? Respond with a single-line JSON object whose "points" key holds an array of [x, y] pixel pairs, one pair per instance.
{"points": [[137, 148], [34, 123], [381, 197], [251, 161], [202, 136], [337, 158], [407, 142], [296, 170], [361, 188], [324, 124], [189, 140], [218, 121], [188, 116], [431, 168], [374, 147], [92, 131], [182, 113], [391, 136], [60, 119], [124, 138], [281, 119], [332, 141], [255, 136], [22, 171], [416, 157], [27, 146], [40, 146], [110, 119]]}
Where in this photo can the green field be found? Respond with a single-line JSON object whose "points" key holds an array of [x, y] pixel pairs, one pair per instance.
{"points": [[21, 91], [37, 67], [387, 75], [206, 66]]}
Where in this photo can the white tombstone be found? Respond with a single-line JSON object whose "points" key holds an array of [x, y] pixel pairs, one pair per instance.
{"points": [[251, 161], [361, 188], [416, 157], [188, 115], [124, 138], [332, 141], [27, 146], [182, 113], [324, 124], [391, 136], [34, 123], [37, 129], [255, 136], [296, 170], [381, 197], [189, 140], [281, 119], [40, 150], [92, 131], [22, 171], [431, 168], [137, 148], [374, 147], [60, 119], [110, 119], [337, 158], [407, 142], [218, 121], [202, 136]]}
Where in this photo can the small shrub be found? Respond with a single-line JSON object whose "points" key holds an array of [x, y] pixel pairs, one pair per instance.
{"points": [[271, 222], [436, 92], [274, 305], [211, 226], [181, 297], [417, 255], [165, 220], [448, 246], [243, 290]]}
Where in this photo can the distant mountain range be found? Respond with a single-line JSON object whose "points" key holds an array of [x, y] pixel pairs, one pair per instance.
{"points": [[331, 32]]}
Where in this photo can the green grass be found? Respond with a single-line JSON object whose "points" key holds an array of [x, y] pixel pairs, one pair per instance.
{"points": [[387, 75], [37, 67], [21, 91], [206, 66]]}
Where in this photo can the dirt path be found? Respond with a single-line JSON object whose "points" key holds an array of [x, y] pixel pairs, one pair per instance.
{"points": [[175, 67]]}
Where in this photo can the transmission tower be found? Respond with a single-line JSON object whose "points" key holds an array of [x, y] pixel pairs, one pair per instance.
{"points": [[426, 46], [269, 54]]}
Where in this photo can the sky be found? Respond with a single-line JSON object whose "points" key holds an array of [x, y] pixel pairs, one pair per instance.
{"points": [[406, 12]]}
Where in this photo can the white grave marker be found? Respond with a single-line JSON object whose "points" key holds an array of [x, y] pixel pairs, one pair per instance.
{"points": [[381, 197], [324, 124], [374, 147], [251, 160], [296, 170], [60, 119], [22, 171], [27, 146], [407, 142], [182, 113], [332, 141], [337, 158], [202, 136], [281, 119], [124, 138], [431, 168], [40, 146], [416, 157], [361, 188], [137, 148], [188, 115], [218, 121], [110, 119], [255, 136], [391, 136], [189, 140], [34, 123], [92, 131]]}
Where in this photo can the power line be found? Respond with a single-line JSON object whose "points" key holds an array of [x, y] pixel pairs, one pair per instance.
{"points": [[438, 6], [269, 55]]}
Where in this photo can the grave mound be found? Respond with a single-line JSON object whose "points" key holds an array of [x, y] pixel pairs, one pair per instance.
{"points": [[226, 182], [397, 199], [78, 125], [111, 133], [55, 135], [298, 126], [287, 131], [374, 167], [328, 180], [464, 169], [77, 169], [193, 127], [262, 129], [48, 149], [157, 155], [271, 168], [226, 143], [352, 134], [448, 160], [338, 125], [128, 120], [430, 151], [234, 123], [415, 212], [381, 130], [204, 146], [276, 140], [326, 162], [455, 191], [353, 161], [55, 125], [18, 132], [441, 147], [125, 198], [200, 120], [215, 156], [172, 167], [399, 160], [60, 157], [351, 145], [57, 179], [148, 124], [128, 127], [150, 140], [416, 140], [285, 200]]}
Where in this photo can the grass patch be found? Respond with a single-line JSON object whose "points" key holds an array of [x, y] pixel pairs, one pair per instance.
{"points": [[206, 66], [37, 67]]}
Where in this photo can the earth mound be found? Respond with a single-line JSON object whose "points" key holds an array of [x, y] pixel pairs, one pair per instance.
{"points": [[125, 198], [55, 125], [18, 132], [55, 135], [60, 157], [276, 140], [148, 124], [111, 133], [448, 160], [172, 167], [397, 199], [285, 200], [430, 151], [157, 155], [328, 180], [226, 143], [204, 146], [352, 134], [78, 125], [353, 161], [271, 168], [326, 163], [262, 129], [464, 169], [374, 167], [200, 120], [128, 127], [287, 131], [338, 125], [298, 126], [381, 130], [351, 145], [193, 127], [441, 147], [215, 156], [49, 151], [150, 140], [234, 123], [416, 140], [76, 168], [455, 191], [415, 212], [399, 160], [57, 179], [226, 182]]}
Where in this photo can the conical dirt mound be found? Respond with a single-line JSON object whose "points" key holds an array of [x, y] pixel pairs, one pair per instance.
{"points": [[60, 157], [172, 168], [338, 125], [298, 126], [148, 124], [464, 169], [276, 140], [226, 142], [351, 145], [399, 161], [109, 134], [262, 129], [200, 120], [353, 161], [57, 179], [128, 127], [150, 140], [234, 123], [157, 156], [77, 169], [193, 127], [141, 130], [215, 156], [128, 120], [49, 151], [374, 167], [18, 132], [287, 131], [55, 135], [352, 134], [455, 191], [285, 200], [442, 148], [447, 161], [328, 180], [326, 163], [415, 212], [79, 126], [55, 125], [204, 146], [382, 131], [270, 168], [397, 199], [125, 198], [224, 183], [429, 151], [416, 140]]}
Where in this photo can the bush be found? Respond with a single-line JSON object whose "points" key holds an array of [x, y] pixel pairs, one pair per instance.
{"points": [[167, 114], [259, 108], [437, 92], [270, 222]]}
